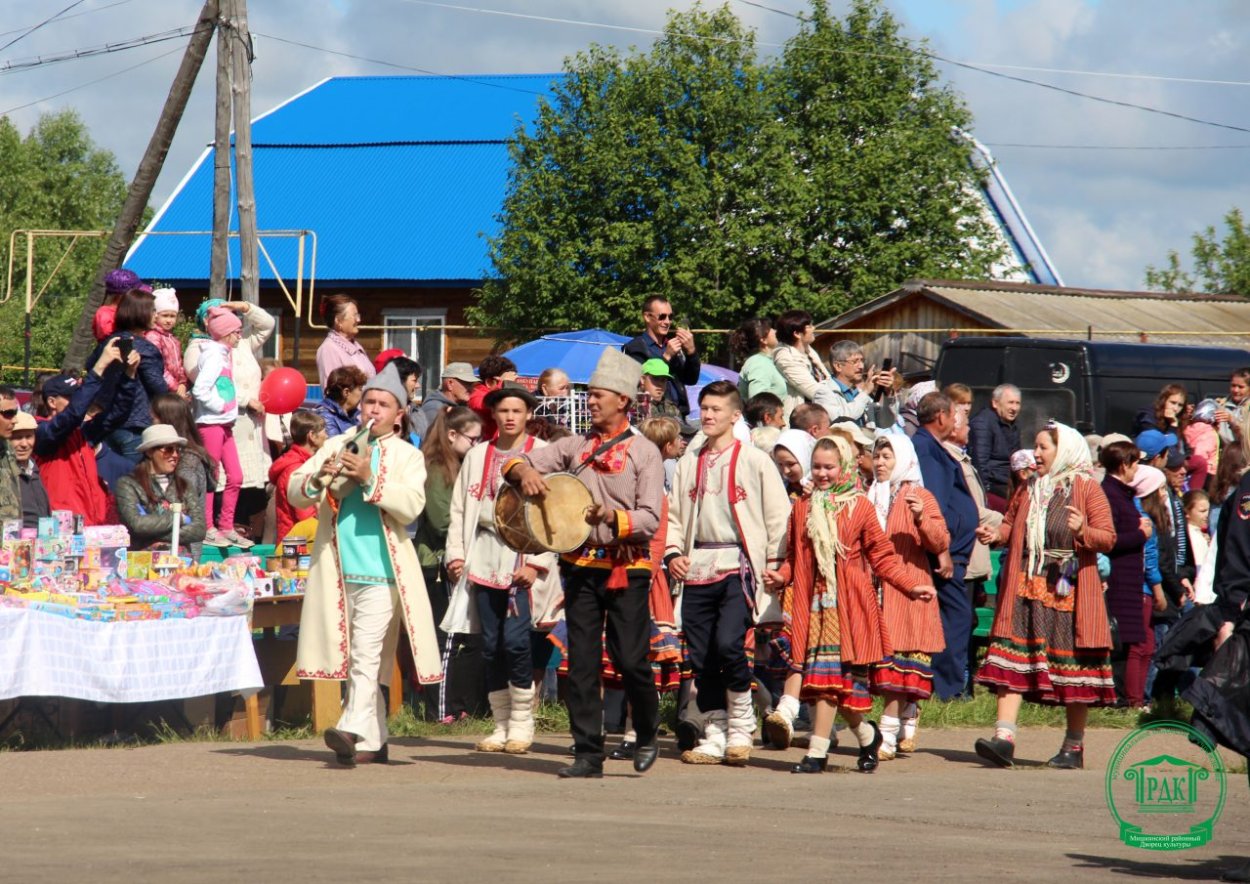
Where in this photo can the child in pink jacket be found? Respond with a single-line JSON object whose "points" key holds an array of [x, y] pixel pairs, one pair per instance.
{"points": [[162, 335]]}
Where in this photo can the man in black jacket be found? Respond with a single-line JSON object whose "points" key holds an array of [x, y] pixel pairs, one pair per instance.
{"points": [[992, 438], [676, 348]]}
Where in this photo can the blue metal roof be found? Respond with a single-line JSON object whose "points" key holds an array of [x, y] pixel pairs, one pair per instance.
{"points": [[401, 179]]}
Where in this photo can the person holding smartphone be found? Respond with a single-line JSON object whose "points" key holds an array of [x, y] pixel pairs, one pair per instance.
{"points": [[865, 395], [661, 340]]}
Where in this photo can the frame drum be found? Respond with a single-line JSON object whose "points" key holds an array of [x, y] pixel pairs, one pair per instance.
{"points": [[554, 523]]}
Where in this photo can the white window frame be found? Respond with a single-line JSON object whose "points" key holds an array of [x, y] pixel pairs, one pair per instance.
{"points": [[272, 348], [431, 369]]}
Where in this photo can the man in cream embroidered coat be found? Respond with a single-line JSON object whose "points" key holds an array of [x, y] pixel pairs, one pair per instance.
{"points": [[365, 578], [728, 509]]}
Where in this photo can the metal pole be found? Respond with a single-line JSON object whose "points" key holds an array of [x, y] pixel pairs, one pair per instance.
{"points": [[30, 287]]}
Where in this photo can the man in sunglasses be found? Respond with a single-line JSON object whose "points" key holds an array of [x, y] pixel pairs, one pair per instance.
{"points": [[660, 341], [10, 490]]}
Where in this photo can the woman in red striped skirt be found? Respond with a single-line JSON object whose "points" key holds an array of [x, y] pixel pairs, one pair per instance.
{"points": [[912, 519], [1051, 641], [833, 622]]}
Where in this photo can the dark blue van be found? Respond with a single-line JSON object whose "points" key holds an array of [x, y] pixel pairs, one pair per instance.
{"points": [[1095, 386]]}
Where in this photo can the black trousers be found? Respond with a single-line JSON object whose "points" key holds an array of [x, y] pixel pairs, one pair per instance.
{"points": [[588, 603], [505, 639], [715, 618]]}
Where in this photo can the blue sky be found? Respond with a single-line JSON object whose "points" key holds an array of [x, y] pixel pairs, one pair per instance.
{"points": [[1102, 214]]}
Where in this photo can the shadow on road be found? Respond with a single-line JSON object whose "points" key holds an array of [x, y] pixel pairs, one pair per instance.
{"points": [[1188, 870], [281, 752]]}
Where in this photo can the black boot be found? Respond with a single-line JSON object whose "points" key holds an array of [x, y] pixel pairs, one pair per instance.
{"points": [[996, 751], [645, 755], [585, 767], [868, 755], [1068, 759], [625, 751], [811, 765]]}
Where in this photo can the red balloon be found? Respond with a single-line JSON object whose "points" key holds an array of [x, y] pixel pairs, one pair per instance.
{"points": [[283, 391]]}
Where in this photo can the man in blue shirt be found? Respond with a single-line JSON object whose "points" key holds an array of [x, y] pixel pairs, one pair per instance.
{"points": [[944, 478]]}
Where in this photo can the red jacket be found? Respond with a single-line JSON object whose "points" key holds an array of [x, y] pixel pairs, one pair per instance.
{"points": [[280, 474], [477, 402]]}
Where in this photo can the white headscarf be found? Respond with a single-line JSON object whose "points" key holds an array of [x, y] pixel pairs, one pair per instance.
{"points": [[1071, 460], [906, 469], [799, 443]]}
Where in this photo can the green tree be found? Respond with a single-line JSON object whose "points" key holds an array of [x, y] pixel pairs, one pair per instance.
{"points": [[1220, 266], [734, 186], [886, 191], [55, 178]]}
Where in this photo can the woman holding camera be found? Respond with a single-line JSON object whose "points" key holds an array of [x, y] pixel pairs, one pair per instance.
{"points": [[131, 411]]}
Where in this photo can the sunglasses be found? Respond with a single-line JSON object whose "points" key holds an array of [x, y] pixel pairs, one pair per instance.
{"points": [[169, 450], [662, 316], [9, 413]]}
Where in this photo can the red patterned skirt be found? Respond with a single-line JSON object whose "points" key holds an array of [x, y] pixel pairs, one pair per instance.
{"points": [[909, 673], [1040, 659]]}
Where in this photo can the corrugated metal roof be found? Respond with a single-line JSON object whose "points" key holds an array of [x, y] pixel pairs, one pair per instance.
{"points": [[1071, 312], [401, 178]]}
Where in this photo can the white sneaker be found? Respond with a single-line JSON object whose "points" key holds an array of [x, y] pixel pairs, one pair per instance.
{"points": [[213, 537], [237, 539]]}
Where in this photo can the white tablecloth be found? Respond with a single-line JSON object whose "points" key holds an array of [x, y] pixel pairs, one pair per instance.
{"points": [[46, 655]]}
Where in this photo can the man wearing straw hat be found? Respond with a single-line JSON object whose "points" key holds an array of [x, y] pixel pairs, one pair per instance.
{"points": [[608, 579]]}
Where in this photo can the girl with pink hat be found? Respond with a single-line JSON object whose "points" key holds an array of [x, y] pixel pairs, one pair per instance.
{"points": [[216, 410]]}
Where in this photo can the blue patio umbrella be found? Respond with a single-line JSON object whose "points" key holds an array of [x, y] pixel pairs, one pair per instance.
{"points": [[577, 353]]}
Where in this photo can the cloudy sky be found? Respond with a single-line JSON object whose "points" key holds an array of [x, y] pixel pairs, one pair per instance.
{"points": [[1102, 214]]}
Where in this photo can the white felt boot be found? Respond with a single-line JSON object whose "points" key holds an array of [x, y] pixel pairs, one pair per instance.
{"points": [[741, 728], [521, 723], [779, 724], [500, 710], [712, 749]]}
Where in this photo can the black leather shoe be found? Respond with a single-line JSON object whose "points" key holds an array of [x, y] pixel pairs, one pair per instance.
{"points": [[811, 765], [996, 751], [1068, 759], [584, 767], [869, 757], [382, 756], [343, 744], [625, 751], [688, 735], [645, 756]]}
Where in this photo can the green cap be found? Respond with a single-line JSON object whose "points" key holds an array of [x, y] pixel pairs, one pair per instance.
{"points": [[657, 368]]}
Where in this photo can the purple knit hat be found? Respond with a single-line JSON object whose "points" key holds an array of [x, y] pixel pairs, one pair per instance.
{"points": [[121, 280]]}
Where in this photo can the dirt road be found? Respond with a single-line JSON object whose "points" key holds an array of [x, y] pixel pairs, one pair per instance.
{"points": [[276, 812]]}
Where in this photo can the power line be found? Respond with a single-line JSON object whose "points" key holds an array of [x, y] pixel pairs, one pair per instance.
{"points": [[32, 30], [12, 67], [63, 18], [118, 73], [930, 55], [393, 64], [1005, 144]]}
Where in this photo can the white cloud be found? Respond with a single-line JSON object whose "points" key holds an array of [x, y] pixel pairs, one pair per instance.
{"points": [[1102, 215]]}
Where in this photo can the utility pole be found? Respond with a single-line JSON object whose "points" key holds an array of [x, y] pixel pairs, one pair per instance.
{"points": [[220, 256], [241, 58], [145, 179]]}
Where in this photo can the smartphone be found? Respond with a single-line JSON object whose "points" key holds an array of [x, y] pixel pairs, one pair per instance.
{"points": [[125, 344], [886, 365]]}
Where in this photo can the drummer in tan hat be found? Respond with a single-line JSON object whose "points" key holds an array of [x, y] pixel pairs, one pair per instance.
{"points": [[499, 592], [608, 579]]}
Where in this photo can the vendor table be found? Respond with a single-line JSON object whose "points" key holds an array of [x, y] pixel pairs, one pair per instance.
{"points": [[140, 661], [277, 661]]}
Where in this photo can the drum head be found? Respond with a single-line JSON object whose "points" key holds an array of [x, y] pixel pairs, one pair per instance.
{"points": [[558, 521], [510, 521]]}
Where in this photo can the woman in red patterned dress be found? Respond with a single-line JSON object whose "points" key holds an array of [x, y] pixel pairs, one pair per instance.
{"points": [[833, 622], [912, 519], [1051, 641]]}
